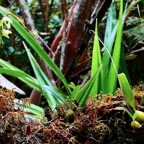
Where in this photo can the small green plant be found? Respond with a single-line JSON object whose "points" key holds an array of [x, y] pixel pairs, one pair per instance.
{"points": [[113, 51], [41, 83], [111, 56], [106, 82], [137, 116], [104, 70], [109, 73]]}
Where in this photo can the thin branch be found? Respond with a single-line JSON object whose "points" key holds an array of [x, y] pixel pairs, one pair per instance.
{"points": [[46, 16], [63, 6], [64, 17], [42, 9], [136, 51]]}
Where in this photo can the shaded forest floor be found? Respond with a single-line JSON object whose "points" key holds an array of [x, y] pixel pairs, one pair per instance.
{"points": [[98, 122]]}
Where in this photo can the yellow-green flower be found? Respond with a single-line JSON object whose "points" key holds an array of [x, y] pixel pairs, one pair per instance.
{"points": [[6, 33], [7, 22], [5, 25]]}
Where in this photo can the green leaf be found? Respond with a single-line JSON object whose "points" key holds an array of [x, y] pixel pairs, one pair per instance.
{"points": [[21, 29], [57, 94], [42, 79], [13, 71], [85, 91], [110, 33], [112, 78], [29, 107], [124, 84], [74, 94], [96, 60], [107, 60]]}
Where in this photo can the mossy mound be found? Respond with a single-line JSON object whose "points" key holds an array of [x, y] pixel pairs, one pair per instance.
{"points": [[98, 122]]}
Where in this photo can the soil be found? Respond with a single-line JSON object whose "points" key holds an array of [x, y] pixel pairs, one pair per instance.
{"points": [[98, 122]]}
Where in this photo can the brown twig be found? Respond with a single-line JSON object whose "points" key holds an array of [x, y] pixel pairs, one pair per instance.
{"points": [[131, 8], [42, 9], [46, 16], [63, 6], [58, 38]]}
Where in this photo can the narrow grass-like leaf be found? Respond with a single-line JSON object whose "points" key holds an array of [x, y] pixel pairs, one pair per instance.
{"points": [[9, 85], [126, 110], [124, 84], [15, 73], [96, 60], [85, 91], [123, 66], [41, 80], [36, 66], [56, 94], [112, 79], [21, 29], [29, 107], [29, 80], [111, 29], [74, 94]]}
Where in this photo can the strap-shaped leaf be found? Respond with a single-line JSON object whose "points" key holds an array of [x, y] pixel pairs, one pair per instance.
{"points": [[124, 84], [85, 91], [11, 70], [21, 29]]}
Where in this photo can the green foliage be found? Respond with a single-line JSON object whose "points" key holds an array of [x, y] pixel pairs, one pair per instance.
{"points": [[54, 96], [108, 78], [37, 112], [11, 70], [124, 84], [96, 60], [18, 25], [88, 88], [42, 79], [104, 69], [112, 78], [110, 33], [135, 33]]}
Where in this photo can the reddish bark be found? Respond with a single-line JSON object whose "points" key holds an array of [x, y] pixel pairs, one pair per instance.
{"points": [[101, 7], [80, 66], [58, 38], [77, 36], [63, 9], [75, 32]]}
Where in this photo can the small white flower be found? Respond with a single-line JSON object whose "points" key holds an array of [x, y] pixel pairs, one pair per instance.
{"points": [[7, 21], [6, 33]]}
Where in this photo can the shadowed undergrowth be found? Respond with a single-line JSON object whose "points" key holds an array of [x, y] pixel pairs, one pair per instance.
{"points": [[99, 121]]}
